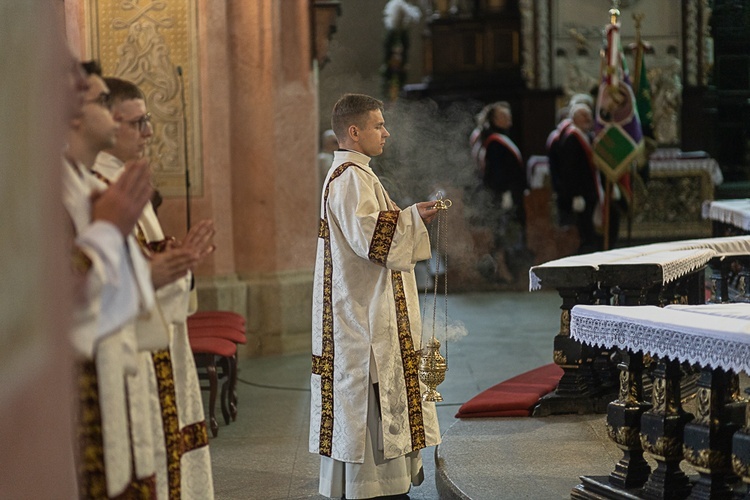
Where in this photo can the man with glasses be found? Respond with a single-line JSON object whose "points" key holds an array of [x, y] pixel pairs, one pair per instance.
{"points": [[113, 288], [183, 463]]}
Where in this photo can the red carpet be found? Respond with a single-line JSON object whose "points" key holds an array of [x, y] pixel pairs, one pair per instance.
{"points": [[516, 397]]}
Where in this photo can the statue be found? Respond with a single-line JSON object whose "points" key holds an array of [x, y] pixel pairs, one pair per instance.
{"points": [[398, 17], [666, 91], [580, 72]]}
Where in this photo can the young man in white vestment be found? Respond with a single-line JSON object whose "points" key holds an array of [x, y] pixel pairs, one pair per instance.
{"points": [[182, 461], [367, 421], [114, 452]]}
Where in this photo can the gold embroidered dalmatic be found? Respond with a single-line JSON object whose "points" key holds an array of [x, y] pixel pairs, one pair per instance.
{"points": [[182, 459], [365, 301]]}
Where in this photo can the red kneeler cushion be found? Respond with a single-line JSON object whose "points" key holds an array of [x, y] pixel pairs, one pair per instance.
{"points": [[213, 345], [221, 332], [515, 397], [226, 318]]}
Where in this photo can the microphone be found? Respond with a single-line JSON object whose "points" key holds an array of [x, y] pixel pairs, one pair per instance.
{"points": [[185, 144]]}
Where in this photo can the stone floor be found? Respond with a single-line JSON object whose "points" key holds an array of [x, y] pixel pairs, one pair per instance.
{"points": [[264, 453]]}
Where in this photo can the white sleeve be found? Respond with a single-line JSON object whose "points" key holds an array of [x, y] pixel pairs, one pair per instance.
{"points": [[395, 239], [113, 296]]}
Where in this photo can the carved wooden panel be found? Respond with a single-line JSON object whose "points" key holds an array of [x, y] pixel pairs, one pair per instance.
{"points": [[669, 206], [145, 42]]}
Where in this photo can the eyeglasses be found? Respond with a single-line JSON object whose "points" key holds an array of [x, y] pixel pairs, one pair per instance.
{"points": [[104, 100], [142, 123]]}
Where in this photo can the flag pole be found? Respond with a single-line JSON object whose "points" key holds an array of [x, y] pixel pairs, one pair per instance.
{"points": [[637, 17], [612, 64]]}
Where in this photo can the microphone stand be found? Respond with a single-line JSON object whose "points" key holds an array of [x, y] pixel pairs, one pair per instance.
{"points": [[185, 144], [185, 151]]}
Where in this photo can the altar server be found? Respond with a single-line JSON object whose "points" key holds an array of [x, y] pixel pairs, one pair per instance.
{"points": [[168, 373], [368, 421], [115, 287]]}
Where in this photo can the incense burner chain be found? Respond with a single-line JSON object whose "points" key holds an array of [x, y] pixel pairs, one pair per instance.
{"points": [[432, 364]]}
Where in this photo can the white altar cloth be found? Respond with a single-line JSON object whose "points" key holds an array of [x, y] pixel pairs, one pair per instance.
{"points": [[734, 212], [687, 163], [713, 335], [667, 160], [659, 252]]}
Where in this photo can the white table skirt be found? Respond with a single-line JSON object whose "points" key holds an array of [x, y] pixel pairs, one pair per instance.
{"points": [[715, 335], [670, 254], [734, 212]]}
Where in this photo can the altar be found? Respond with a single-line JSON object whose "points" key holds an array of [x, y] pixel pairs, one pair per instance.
{"points": [[728, 216], [669, 205], [715, 440]]}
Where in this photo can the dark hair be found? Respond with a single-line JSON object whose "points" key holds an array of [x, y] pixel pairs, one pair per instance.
{"points": [[91, 68], [351, 109], [123, 90]]}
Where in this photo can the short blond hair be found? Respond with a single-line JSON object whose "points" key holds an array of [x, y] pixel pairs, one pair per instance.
{"points": [[352, 109]]}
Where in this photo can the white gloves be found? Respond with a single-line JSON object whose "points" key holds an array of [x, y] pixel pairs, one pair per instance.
{"points": [[507, 202], [579, 204]]}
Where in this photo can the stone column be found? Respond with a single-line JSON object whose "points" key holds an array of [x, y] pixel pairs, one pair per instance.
{"points": [[274, 193], [35, 357]]}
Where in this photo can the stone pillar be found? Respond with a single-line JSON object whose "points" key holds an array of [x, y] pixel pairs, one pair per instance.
{"points": [[35, 357], [274, 193]]}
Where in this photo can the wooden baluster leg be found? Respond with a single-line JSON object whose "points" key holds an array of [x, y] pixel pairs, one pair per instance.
{"points": [[227, 373], [719, 281], [661, 434], [624, 424], [213, 385], [233, 389], [576, 391], [741, 452], [708, 439]]}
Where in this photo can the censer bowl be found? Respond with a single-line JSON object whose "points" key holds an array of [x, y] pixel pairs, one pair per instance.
{"points": [[432, 368]]}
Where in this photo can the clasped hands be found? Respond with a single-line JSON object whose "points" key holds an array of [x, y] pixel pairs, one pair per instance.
{"points": [[180, 257], [122, 204]]}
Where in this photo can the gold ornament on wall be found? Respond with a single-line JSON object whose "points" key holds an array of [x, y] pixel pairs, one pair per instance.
{"points": [[146, 42]]}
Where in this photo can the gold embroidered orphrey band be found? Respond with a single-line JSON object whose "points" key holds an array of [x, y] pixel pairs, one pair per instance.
{"points": [[168, 403], [382, 237], [323, 365], [177, 441], [410, 360]]}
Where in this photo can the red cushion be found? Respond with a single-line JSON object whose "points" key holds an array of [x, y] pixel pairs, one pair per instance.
{"points": [[221, 332], [215, 322], [212, 345], [515, 397], [228, 317]]}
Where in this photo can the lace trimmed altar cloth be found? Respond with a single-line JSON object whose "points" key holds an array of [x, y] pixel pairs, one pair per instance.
{"points": [[675, 257], [734, 212], [712, 335]]}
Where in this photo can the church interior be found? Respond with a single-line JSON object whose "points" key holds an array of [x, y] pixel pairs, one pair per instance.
{"points": [[239, 95]]}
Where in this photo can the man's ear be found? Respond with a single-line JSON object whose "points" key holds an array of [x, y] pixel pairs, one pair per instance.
{"points": [[353, 132]]}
